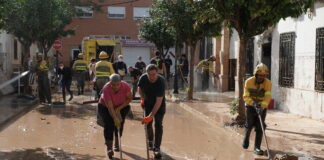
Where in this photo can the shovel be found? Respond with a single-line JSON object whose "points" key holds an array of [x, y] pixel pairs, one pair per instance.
{"points": [[146, 139], [120, 146], [265, 138]]}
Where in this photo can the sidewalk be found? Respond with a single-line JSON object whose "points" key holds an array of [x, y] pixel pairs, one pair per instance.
{"points": [[12, 107], [287, 133]]}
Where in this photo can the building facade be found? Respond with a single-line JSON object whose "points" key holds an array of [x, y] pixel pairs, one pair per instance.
{"points": [[294, 52], [118, 19]]}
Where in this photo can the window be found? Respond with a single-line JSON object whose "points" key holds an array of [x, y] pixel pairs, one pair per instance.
{"points": [[249, 58], [84, 12], [141, 12], [15, 49], [287, 59], [319, 62], [116, 12]]}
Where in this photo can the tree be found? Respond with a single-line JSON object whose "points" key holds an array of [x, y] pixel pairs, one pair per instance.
{"points": [[157, 32], [2, 6], [184, 17], [250, 18], [53, 16]]}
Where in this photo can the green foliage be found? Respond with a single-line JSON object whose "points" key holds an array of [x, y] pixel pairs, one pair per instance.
{"points": [[56, 15], [41, 21], [157, 32], [2, 6], [184, 17], [253, 17], [234, 106]]}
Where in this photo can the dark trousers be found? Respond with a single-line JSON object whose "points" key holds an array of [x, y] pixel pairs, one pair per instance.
{"points": [[158, 126], [252, 120], [44, 90], [66, 85], [205, 80], [134, 90], [109, 125], [80, 76]]}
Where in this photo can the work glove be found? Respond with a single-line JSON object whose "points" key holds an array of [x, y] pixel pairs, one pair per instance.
{"points": [[118, 109], [147, 120], [142, 102], [258, 108], [117, 123]]}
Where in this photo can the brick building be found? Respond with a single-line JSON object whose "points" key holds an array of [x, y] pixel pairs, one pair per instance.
{"points": [[119, 19]]}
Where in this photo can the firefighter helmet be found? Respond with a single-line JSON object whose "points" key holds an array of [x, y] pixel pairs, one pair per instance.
{"points": [[103, 55], [80, 55], [261, 69]]}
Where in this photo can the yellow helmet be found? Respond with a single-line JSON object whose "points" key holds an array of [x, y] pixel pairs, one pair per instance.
{"points": [[103, 55], [80, 55], [261, 69]]}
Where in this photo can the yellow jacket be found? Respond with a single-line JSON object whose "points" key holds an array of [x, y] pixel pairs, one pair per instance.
{"points": [[42, 66], [80, 65], [206, 65], [259, 93], [104, 69]]}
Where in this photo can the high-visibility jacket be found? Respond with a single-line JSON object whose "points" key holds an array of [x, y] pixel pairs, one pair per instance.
{"points": [[80, 65], [259, 93], [104, 69], [206, 65], [42, 66]]}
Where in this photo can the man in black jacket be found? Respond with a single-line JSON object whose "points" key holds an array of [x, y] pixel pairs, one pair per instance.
{"points": [[65, 79], [120, 67]]}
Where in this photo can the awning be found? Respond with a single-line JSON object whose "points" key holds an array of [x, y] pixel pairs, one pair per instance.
{"points": [[105, 42]]}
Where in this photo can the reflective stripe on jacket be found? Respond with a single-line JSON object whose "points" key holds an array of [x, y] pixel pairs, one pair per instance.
{"points": [[259, 93], [104, 69], [206, 65], [80, 65]]}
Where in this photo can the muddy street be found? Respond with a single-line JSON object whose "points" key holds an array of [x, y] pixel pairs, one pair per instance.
{"points": [[70, 132]]}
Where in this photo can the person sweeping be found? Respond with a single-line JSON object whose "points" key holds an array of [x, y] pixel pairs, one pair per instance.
{"points": [[257, 96], [113, 107]]}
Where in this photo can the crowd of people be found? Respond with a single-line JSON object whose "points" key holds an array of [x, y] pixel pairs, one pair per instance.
{"points": [[114, 94]]}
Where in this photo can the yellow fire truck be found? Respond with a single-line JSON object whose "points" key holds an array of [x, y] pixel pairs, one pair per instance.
{"points": [[93, 45]]}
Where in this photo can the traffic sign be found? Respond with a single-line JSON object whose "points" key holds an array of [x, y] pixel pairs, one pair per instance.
{"points": [[57, 44]]}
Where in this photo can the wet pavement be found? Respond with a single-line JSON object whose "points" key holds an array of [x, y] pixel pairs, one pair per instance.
{"points": [[287, 133], [192, 130], [12, 107], [70, 132]]}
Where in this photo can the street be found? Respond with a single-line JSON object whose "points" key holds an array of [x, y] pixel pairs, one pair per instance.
{"points": [[70, 132]]}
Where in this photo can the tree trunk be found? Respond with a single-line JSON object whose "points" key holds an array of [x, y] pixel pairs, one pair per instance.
{"points": [[24, 59], [191, 70], [176, 71], [241, 74]]}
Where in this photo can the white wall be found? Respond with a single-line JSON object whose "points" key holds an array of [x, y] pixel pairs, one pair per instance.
{"points": [[7, 42], [234, 45], [302, 98]]}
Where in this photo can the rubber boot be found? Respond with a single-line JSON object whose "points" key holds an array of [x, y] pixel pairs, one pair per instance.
{"points": [[150, 145], [110, 152], [63, 94], [257, 144], [157, 153], [71, 96], [116, 147], [246, 139]]}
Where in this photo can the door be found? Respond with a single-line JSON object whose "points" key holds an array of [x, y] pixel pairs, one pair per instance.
{"points": [[266, 56], [232, 74], [131, 54]]}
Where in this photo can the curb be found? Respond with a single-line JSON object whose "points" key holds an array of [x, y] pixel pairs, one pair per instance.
{"points": [[5, 123]]}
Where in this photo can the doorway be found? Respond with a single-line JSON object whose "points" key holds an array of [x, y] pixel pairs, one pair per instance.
{"points": [[266, 56], [232, 74]]}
